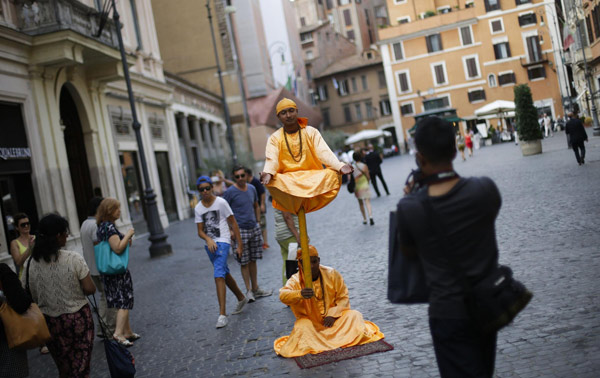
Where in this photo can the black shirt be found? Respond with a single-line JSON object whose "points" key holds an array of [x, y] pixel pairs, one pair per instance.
{"points": [[467, 213], [373, 161], [576, 131]]}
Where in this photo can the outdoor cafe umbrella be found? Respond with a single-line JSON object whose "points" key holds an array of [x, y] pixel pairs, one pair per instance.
{"points": [[498, 107], [366, 135]]}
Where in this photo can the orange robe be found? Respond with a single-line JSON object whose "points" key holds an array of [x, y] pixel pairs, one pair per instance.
{"points": [[304, 183], [331, 299]]}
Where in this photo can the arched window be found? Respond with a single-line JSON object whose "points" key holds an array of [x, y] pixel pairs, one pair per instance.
{"points": [[492, 80]]}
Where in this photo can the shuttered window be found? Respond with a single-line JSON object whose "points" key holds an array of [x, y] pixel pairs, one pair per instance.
{"points": [[507, 78], [434, 43], [502, 50], [467, 38]]}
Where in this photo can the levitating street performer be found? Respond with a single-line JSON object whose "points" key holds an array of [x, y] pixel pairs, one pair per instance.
{"points": [[294, 169], [324, 320]]}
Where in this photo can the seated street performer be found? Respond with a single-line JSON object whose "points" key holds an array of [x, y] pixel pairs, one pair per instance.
{"points": [[294, 167], [324, 320]]}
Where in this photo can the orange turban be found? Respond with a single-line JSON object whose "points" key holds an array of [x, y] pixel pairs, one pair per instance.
{"points": [[285, 104], [312, 251]]}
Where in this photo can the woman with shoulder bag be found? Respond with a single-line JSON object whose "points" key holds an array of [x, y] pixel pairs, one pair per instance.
{"points": [[362, 190], [59, 281], [117, 287], [13, 362]]}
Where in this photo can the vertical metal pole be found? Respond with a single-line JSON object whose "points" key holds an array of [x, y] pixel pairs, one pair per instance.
{"points": [[158, 238], [306, 271], [230, 139]]}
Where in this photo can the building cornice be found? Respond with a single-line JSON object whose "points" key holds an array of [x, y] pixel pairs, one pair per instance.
{"points": [[426, 32]]}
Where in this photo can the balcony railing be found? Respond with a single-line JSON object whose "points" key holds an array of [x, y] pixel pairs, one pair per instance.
{"points": [[531, 61], [48, 16]]}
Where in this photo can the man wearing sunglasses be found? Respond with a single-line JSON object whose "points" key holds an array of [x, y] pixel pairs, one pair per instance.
{"points": [[243, 200], [214, 219]]}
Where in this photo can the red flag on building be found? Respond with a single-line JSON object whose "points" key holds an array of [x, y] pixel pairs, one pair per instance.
{"points": [[569, 39]]}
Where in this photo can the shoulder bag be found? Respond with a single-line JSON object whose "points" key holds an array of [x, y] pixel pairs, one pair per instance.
{"points": [[406, 277], [24, 331], [492, 302], [121, 363], [108, 261]]}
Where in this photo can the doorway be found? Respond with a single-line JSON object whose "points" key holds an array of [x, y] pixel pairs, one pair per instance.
{"points": [[76, 154], [133, 189], [166, 185]]}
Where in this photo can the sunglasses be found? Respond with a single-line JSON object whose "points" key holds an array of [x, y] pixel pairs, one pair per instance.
{"points": [[25, 224], [240, 176], [205, 189]]}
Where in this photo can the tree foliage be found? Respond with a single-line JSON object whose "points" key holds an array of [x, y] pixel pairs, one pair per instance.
{"points": [[526, 114], [334, 138]]}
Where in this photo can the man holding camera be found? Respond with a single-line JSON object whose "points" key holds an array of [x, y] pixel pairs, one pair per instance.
{"points": [[447, 222]]}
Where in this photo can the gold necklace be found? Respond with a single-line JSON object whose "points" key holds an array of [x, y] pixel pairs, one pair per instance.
{"points": [[288, 145]]}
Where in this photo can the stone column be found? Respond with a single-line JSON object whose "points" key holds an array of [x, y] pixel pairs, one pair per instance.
{"points": [[199, 141], [185, 131], [208, 142]]}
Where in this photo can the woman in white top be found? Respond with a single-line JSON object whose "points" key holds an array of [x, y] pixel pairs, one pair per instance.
{"points": [[59, 281]]}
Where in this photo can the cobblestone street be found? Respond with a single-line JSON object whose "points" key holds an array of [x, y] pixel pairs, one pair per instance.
{"points": [[547, 232]]}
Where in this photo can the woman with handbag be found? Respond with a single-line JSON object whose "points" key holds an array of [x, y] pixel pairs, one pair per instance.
{"points": [[117, 287], [13, 362], [362, 190], [59, 281]]}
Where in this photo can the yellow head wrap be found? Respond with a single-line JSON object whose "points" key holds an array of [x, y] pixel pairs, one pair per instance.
{"points": [[285, 104], [312, 251]]}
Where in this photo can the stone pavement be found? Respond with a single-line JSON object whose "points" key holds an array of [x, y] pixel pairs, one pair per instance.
{"points": [[547, 232]]}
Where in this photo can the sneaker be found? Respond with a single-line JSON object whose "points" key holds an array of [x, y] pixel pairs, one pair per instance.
{"points": [[250, 296], [262, 293], [222, 321], [372, 222], [240, 306]]}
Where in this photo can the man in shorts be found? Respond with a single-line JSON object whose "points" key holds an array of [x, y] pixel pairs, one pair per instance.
{"points": [[214, 219], [262, 195], [243, 200]]}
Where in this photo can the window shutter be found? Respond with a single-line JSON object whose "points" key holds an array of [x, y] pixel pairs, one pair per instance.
{"points": [[398, 51]]}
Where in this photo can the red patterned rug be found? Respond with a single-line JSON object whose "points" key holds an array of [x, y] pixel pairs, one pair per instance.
{"points": [[312, 360]]}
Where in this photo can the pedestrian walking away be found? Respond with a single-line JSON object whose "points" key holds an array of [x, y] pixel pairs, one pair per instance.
{"points": [[117, 287], [469, 142], [243, 200], [361, 190], [460, 144], [214, 219], [577, 136], [468, 208], [88, 231], [59, 281], [373, 159], [547, 122]]}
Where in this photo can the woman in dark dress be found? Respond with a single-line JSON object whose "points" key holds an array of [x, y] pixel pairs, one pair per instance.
{"points": [[13, 363], [118, 287]]}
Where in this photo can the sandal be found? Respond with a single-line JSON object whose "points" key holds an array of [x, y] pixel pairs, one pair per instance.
{"points": [[126, 343], [44, 350], [133, 337]]}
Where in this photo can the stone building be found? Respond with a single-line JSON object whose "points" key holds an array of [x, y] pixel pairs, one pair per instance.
{"points": [[454, 56], [66, 133]]}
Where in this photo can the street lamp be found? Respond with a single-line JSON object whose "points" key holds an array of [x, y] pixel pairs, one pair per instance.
{"points": [[230, 139], [158, 238]]}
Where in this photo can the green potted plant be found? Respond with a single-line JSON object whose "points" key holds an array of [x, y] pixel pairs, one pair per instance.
{"points": [[528, 128]]}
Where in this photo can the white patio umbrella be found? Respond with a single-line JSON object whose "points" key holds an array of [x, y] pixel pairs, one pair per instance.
{"points": [[366, 135], [498, 107]]}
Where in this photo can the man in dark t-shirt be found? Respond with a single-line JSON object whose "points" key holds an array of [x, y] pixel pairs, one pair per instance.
{"points": [[262, 194], [373, 161], [464, 210]]}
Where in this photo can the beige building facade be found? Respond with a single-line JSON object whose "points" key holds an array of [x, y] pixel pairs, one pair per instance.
{"points": [[352, 94], [66, 133], [463, 54]]}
